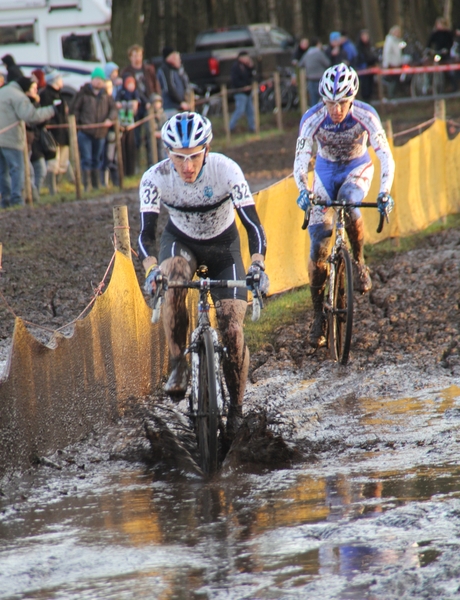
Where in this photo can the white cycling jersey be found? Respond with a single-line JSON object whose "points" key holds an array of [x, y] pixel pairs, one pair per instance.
{"points": [[202, 209], [342, 146]]}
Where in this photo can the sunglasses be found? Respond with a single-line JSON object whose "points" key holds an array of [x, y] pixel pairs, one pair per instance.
{"points": [[341, 103], [183, 158]]}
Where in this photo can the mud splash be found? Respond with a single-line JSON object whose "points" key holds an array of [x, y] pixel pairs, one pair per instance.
{"points": [[371, 509]]}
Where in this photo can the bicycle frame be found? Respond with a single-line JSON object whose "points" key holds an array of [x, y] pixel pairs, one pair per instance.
{"points": [[204, 286], [339, 242], [195, 340]]}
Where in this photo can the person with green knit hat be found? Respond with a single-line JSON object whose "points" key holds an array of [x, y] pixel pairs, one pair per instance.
{"points": [[92, 106], [98, 73]]}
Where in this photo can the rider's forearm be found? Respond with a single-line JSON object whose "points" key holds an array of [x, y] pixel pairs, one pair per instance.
{"points": [[258, 257], [256, 233], [146, 241], [382, 149], [149, 262]]}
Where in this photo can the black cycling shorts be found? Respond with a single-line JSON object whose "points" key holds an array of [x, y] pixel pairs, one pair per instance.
{"points": [[221, 254]]}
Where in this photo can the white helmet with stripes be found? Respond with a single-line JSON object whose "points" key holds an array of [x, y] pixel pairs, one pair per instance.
{"points": [[338, 82], [186, 130]]}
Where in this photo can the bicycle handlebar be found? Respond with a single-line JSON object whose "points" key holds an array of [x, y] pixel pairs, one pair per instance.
{"points": [[344, 205], [205, 284]]}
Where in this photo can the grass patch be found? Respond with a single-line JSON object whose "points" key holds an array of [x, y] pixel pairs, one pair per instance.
{"points": [[279, 310]]}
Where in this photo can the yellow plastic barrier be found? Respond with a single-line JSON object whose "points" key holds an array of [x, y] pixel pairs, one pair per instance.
{"points": [[55, 395], [426, 188]]}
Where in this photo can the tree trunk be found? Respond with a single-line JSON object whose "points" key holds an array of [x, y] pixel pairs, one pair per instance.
{"points": [[372, 20], [297, 19], [393, 14], [126, 27], [151, 29], [447, 12], [272, 12], [418, 20], [211, 12]]}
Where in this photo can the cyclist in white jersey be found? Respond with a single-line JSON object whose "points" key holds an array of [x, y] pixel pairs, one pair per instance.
{"points": [[201, 191], [342, 127]]}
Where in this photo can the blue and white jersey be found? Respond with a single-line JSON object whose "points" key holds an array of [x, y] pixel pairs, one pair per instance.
{"points": [[203, 209], [342, 145]]}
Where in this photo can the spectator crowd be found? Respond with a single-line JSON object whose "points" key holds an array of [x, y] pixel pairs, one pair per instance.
{"points": [[139, 92], [129, 95]]}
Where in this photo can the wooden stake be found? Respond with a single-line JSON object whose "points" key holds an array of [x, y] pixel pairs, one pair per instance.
{"points": [[302, 90], [388, 125], [75, 154], [440, 110], [279, 107], [27, 181], [153, 128], [191, 101], [224, 93], [121, 230], [121, 172], [255, 102]]}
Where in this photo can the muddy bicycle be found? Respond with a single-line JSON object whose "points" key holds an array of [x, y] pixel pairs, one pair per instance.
{"points": [[338, 299], [207, 401]]}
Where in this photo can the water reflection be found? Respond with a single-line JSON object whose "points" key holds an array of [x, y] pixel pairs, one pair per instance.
{"points": [[125, 533]]}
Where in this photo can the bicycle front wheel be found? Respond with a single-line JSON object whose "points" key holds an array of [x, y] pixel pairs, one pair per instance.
{"points": [[207, 409], [341, 311]]}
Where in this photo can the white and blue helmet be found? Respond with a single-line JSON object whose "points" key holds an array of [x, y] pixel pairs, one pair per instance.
{"points": [[186, 130], [339, 82]]}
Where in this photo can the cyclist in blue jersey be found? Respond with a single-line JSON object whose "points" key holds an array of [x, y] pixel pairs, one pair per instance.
{"points": [[342, 127]]}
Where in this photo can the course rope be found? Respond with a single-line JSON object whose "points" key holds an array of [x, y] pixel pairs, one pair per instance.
{"points": [[417, 127], [97, 291]]}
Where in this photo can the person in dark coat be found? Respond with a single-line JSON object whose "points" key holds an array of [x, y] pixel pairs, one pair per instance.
{"points": [[147, 84], [174, 82], [92, 105], [128, 101], [335, 51], [302, 47], [49, 96], [36, 154], [13, 71], [241, 76], [366, 59]]}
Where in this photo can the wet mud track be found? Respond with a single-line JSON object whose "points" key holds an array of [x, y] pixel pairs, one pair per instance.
{"points": [[364, 502]]}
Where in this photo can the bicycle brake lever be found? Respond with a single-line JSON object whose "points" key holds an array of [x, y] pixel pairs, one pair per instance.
{"points": [[381, 222], [158, 298], [306, 219]]}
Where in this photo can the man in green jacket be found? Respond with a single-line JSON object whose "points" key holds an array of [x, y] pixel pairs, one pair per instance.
{"points": [[16, 107]]}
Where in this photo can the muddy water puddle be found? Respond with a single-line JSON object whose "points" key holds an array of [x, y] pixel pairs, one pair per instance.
{"points": [[379, 522]]}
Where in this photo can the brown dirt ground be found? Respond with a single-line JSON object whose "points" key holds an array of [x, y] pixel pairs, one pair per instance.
{"points": [[55, 255]]}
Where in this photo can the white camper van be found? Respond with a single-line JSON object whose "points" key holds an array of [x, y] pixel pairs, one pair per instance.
{"points": [[70, 35]]}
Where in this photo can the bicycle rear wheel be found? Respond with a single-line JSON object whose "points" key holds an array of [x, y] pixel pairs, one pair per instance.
{"points": [[207, 409], [341, 313]]}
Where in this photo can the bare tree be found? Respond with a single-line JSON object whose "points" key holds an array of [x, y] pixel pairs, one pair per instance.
{"points": [[447, 11], [272, 12], [419, 23], [126, 27], [372, 19], [297, 19]]}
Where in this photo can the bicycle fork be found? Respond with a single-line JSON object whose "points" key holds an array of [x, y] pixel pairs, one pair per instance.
{"points": [[194, 350], [333, 265]]}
